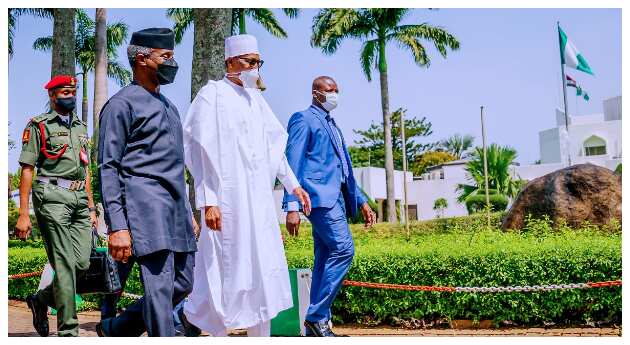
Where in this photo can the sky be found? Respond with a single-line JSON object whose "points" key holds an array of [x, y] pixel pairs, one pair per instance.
{"points": [[508, 62]]}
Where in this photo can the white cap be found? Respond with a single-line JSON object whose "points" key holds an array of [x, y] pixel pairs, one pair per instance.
{"points": [[240, 45]]}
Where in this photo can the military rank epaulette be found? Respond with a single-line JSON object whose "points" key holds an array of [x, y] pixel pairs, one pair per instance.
{"points": [[39, 118]]}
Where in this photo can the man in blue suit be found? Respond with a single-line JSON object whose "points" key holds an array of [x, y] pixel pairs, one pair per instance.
{"points": [[317, 154]]}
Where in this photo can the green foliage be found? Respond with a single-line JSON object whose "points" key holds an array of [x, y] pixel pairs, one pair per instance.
{"points": [[459, 251], [439, 205], [358, 219], [13, 213], [85, 49], [618, 169], [183, 19], [429, 159], [458, 145], [477, 202], [500, 158], [370, 149], [95, 183], [376, 27]]}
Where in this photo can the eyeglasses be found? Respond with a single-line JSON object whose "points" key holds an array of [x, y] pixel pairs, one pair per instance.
{"points": [[253, 62]]}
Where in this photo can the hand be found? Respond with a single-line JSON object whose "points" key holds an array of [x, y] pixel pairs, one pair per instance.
{"points": [[304, 199], [368, 215], [293, 222], [120, 245], [93, 219], [196, 227], [23, 226], [213, 218]]}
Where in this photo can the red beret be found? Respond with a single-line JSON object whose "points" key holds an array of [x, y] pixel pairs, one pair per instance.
{"points": [[61, 80]]}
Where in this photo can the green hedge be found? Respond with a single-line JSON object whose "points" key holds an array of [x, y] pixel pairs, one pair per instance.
{"points": [[450, 252]]}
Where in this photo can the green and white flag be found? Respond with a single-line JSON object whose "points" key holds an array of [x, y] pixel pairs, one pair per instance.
{"points": [[570, 55]]}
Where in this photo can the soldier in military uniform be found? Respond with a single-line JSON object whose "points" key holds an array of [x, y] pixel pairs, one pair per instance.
{"points": [[56, 143]]}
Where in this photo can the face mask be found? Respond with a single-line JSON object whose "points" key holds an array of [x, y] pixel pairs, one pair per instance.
{"points": [[67, 104], [166, 71], [331, 100], [249, 78]]}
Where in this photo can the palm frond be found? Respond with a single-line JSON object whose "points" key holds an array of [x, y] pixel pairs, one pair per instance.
{"points": [[267, 20], [119, 73], [116, 36], [291, 12], [440, 38], [368, 57], [182, 19], [43, 43], [331, 26], [420, 56]]}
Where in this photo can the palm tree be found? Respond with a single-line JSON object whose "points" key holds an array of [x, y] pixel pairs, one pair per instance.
{"points": [[211, 26], [439, 205], [458, 145], [262, 16], [62, 42], [14, 13], [183, 18], [500, 158], [376, 27], [100, 74], [85, 52]]}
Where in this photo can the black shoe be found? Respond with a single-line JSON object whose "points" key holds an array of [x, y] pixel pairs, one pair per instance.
{"points": [[318, 329], [190, 330], [40, 315], [100, 328]]}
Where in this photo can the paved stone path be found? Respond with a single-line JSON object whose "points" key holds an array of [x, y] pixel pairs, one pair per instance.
{"points": [[20, 325]]}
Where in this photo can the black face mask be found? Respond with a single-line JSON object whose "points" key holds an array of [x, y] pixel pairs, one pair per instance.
{"points": [[66, 104], [166, 71]]}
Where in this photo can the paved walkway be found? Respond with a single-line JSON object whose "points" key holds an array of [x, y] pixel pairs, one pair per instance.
{"points": [[20, 325]]}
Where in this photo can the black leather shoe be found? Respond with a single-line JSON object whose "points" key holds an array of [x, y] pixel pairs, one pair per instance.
{"points": [[190, 330], [101, 326], [318, 329], [40, 315]]}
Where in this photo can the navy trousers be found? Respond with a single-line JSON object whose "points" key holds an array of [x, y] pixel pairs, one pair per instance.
{"points": [[334, 250], [167, 278]]}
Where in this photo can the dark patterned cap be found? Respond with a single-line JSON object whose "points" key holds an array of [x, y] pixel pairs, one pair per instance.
{"points": [[160, 38]]}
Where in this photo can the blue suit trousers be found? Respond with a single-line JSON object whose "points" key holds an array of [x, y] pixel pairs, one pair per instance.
{"points": [[334, 250]]}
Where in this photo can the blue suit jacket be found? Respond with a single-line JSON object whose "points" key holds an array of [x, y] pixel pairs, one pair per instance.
{"points": [[315, 161]]}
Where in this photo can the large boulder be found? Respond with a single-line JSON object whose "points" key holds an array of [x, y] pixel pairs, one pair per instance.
{"points": [[583, 192]]}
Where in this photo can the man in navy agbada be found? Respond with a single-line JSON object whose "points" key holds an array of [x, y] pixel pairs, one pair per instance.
{"points": [[318, 155], [141, 166]]}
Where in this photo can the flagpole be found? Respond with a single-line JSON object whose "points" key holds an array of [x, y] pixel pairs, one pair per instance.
{"points": [[564, 93]]}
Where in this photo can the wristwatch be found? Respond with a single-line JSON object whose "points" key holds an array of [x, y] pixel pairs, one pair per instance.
{"points": [[92, 209]]}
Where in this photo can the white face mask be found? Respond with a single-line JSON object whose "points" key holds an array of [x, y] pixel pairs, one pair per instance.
{"points": [[331, 100], [248, 78]]}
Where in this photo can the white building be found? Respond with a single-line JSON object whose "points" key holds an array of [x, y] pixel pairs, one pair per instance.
{"points": [[592, 138]]}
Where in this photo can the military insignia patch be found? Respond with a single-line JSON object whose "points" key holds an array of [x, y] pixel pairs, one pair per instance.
{"points": [[26, 136]]}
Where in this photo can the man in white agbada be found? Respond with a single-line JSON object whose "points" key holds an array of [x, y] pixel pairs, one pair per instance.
{"points": [[234, 148]]}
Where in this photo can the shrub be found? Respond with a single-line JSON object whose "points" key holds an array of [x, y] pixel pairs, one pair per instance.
{"points": [[458, 251], [358, 218], [477, 203]]}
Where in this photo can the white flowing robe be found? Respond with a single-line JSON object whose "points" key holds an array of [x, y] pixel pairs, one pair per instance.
{"points": [[234, 149]]}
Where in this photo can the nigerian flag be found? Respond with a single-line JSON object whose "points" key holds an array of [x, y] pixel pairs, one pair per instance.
{"points": [[570, 55]]}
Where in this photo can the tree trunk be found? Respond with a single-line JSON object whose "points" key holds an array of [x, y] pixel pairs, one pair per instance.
{"points": [[84, 97], [211, 27], [389, 157], [100, 75], [242, 29], [63, 45]]}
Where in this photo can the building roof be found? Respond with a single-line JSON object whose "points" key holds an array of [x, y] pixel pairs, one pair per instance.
{"points": [[455, 162]]}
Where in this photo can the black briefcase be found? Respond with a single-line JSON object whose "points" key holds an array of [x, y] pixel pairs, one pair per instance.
{"points": [[102, 276]]}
